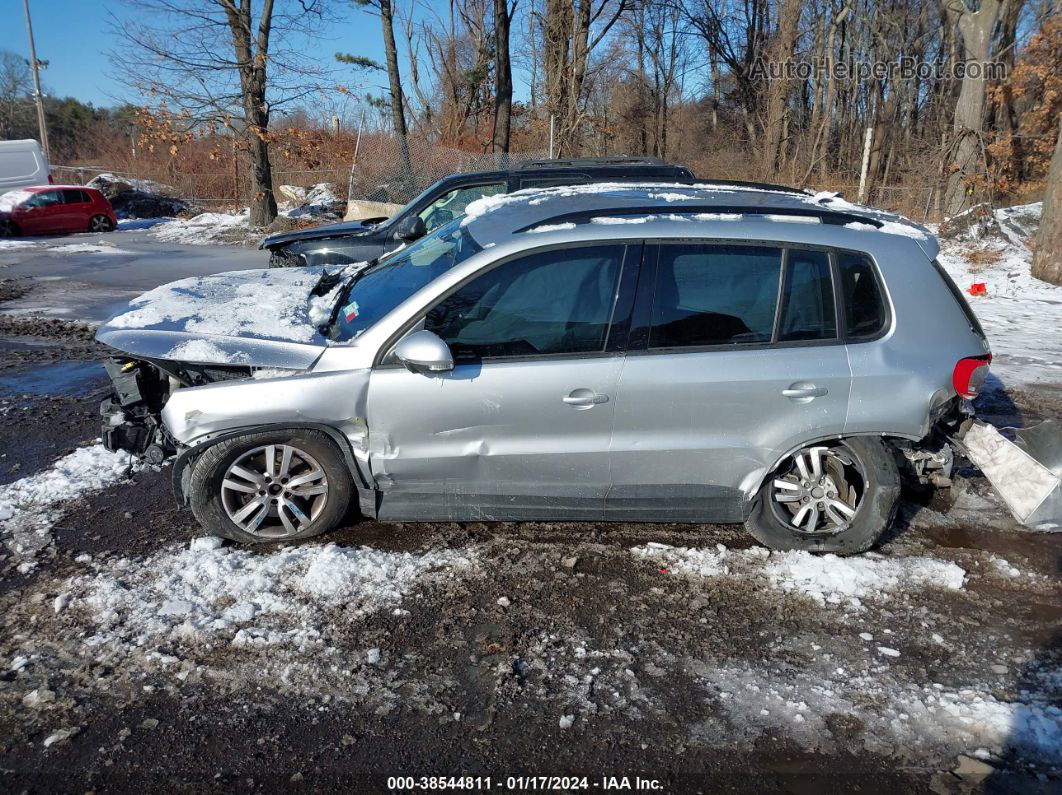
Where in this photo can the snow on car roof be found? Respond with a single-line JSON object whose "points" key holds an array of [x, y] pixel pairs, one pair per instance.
{"points": [[554, 208]]}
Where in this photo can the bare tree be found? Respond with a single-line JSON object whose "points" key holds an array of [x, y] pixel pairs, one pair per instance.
{"points": [[1047, 262], [503, 75], [781, 49], [216, 64], [976, 29], [15, 87], [385, 10]]}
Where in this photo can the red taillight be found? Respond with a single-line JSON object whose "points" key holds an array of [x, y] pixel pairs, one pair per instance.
{"points": [[969, 374]]}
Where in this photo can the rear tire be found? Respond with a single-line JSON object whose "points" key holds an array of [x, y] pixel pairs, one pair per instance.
{"points": [[874, 511], [217, 495], [100, 223]]}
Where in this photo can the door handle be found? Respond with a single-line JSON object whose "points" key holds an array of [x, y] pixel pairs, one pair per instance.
{"points": [[584, 398], [802, 389]]}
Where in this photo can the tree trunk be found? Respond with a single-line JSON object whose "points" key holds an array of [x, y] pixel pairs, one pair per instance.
{"points": [[252, 59], [398, 100], [780, 51], [503, 78], [976, 29], [1047, 261]]}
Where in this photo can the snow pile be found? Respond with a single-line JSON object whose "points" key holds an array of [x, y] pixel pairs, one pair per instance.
{"points": [[319, 200], [828, 579], [207, 593], [204, 352], [13, 244], [834, 580], [1016, 309], [893, 717], [205, 228], [552, 228], [274, 303], [30, 506], [87, 248], [112, 185]]}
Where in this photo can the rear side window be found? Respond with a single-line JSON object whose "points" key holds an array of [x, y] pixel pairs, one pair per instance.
{"points": [[808, 311], [714, 295], [864, 306], [75, 197], [956, 293], [552, 302]]}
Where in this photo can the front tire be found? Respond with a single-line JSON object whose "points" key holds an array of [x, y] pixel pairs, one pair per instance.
{"points": [[271, 486], [100, 223], [8, 229], [837, 497], [279, 258]]}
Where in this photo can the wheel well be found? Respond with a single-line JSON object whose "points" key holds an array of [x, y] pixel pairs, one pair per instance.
{"points": [[182, 466]]}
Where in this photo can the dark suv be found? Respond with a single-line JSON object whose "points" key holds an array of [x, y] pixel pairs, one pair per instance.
{"points": [[440, 203]]}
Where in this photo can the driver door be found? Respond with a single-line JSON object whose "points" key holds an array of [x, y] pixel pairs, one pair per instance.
{"points": [[520, 428]]}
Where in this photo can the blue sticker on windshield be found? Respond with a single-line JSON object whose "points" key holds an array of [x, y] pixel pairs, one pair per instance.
{"points": [[350, 311]]}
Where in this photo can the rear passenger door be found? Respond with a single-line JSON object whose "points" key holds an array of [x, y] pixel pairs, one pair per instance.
{"points": [[734, 357], [75, 214]]}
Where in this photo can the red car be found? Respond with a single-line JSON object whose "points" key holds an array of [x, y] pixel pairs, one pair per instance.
{"points": [[49, 209]]}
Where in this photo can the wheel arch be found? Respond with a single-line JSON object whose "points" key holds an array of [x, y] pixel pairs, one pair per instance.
{"points": [[182, 465], [754, 482]]}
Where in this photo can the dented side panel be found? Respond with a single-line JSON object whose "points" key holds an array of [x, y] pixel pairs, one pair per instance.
{"points": [[489, 440]]}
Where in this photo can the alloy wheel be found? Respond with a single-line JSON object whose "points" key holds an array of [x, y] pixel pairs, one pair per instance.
{"points": [[274, 491], [820, 490], [100, 223]]}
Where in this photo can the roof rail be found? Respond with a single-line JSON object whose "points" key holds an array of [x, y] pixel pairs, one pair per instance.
{"points": [[824, 216], [738, 183], [590, 162]]}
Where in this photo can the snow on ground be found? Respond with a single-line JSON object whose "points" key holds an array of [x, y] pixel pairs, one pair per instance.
{"points": [[1022, 316], [7, 245], [30, 507], [828, 579], [203, 229], [87, 248]]}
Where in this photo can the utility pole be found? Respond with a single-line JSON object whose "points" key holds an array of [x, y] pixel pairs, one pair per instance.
{"points": [[37, 85]]}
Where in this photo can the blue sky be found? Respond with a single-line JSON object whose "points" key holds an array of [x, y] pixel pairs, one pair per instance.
{"points": [[74, 36]]}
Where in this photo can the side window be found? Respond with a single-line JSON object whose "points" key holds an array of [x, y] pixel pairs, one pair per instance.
{"points": [[864, 307], [74, 197], [48, 198], [552, 302], [452, 204], [714, 295], [807, 298]]}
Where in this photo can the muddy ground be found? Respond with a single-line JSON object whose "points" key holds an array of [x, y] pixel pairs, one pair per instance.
{"points": [[544, 649]]}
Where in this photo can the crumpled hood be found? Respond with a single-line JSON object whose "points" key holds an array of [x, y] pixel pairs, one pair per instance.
{"points": [[261, 318], [341, 229]]}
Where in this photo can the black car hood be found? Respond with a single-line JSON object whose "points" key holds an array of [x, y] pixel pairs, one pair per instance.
{"points": [[342, 229]]}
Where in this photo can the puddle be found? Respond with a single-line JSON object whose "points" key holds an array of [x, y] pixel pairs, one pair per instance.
{"points": [[68, 378]]}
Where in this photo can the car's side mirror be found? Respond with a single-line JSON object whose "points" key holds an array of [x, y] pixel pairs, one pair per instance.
{"points": [[424, 351], [411, 228]]}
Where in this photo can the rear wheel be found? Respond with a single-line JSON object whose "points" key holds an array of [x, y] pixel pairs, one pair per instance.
{"points": [[100, 223], [837, 497], [271, 486]]}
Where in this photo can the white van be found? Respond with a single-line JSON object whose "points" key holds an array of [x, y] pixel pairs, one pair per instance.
{"points": [[22, 164]]}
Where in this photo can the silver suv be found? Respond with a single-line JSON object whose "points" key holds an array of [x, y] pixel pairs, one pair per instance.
{"points": [[603, 352]]}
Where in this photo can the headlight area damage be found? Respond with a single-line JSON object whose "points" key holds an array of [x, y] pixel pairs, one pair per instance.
{"points": [[199, 331], [141, 387]]}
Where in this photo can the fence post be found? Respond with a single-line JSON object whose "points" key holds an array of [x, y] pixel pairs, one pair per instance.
{"points": [[551, 118]]}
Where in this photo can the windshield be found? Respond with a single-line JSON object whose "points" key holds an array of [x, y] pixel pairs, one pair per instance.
{"points": [[379, 289]]}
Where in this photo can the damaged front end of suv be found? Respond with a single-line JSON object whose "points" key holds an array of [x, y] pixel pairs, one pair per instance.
{"points": [[207, 330]]}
